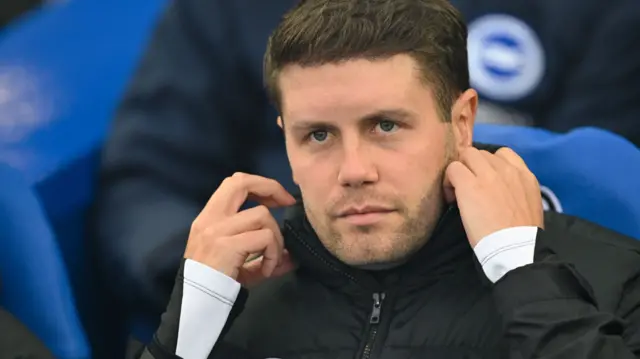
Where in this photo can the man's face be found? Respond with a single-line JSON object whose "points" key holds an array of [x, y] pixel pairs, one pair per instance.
{"points": [[368, 151]]}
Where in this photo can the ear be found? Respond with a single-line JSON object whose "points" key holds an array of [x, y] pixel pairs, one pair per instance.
{"points": [[463, 116]]}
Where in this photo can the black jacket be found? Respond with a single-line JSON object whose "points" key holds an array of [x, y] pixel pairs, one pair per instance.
{"points": [[196, 112], [580, 299]]}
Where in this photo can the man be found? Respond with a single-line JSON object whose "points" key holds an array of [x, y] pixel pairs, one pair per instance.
{"points": [[196, 112], [407, 241]]}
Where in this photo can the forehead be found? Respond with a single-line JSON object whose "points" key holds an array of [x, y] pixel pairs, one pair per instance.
{"points": [[351, 88]]}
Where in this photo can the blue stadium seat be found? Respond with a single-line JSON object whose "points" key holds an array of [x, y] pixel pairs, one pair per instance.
{"points": [[35, 286], [588, 172], [63, 70]]}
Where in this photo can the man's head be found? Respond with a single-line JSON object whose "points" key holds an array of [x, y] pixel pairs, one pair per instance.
{"points": [[375, 103]]}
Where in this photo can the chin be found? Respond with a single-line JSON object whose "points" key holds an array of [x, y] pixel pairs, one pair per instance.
{"points": [[369, 250], [372, 261]]}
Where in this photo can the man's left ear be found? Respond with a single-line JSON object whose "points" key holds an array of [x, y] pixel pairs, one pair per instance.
{"points": [[279, 122], [463, 116]]}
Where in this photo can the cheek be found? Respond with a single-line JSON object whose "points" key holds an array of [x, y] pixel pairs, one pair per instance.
{"points": [[313, 176], [412, 168]]}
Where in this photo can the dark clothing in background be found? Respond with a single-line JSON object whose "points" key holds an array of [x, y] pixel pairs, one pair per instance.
{"points": [[591, 62], [12, 9], [439, 304], [196, 113]]}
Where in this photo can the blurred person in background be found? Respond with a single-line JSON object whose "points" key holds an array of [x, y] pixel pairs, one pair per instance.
{"points": [[196, 111], [556, 64]]}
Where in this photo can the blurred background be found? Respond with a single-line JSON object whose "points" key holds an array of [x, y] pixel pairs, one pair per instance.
{"points": [[118, 120]]}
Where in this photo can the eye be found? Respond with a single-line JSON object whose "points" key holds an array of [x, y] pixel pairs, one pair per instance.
{"points": [[319, 135], [387, 126]]}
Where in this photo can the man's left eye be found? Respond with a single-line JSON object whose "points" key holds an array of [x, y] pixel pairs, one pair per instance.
{"points": [[387, 126]]}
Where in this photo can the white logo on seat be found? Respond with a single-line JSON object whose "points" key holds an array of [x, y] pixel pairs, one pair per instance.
{"points": [[506, 59], [550, 202]]}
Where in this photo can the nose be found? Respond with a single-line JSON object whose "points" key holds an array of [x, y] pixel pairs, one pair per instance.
{"points": [[357, 168]]}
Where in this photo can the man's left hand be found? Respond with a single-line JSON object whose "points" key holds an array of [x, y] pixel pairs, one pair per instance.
{"points": [[493, 191]]}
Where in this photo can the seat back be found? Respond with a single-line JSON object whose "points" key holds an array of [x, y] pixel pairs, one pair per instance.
{"points": [[589, 173], [34, 283], [63, 70]]}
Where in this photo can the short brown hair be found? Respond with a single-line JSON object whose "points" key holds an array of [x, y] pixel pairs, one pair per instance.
{"points": [[317, 32]]}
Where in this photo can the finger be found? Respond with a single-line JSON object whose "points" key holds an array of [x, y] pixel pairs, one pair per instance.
{"points": [[457, 177], [251, 273], [512, 157], [473, 159], [497, 163], [529, 182], [235, 190], [267, 201], [260, 241], [248, 220]]}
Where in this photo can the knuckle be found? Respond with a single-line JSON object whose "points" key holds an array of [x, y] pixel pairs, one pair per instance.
{"points": [[197, 226], [227, 181], [267, 234], [235, 179], [263, 211], [534, 180], [510, 170], [239, 176]]}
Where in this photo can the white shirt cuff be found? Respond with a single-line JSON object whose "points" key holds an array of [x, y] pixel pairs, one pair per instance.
{"points": [[506, 250], [207, 299]]}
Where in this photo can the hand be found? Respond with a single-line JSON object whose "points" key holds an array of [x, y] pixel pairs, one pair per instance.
{"points": [[223, 238], [493, 191]]}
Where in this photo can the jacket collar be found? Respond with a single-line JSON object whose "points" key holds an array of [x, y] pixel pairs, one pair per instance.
{"points": [[446, 251]]}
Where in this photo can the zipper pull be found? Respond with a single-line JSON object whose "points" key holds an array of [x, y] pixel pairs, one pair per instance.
{"points": [[377, 304]]}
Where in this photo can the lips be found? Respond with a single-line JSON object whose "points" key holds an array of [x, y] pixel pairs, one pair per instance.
{"points": [[364, 216], [364, 210]]}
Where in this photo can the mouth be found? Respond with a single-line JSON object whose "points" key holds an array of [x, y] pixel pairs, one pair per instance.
{"points": [[363, 216]]}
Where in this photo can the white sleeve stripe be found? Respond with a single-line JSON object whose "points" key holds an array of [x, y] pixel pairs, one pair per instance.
{"points": [[209, 292], [505, 249], [207, 300]]}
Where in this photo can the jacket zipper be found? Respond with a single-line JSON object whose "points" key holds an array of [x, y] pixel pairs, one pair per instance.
{"points": [[374, 321]]}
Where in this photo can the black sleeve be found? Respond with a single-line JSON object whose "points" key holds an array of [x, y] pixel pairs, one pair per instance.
{"points": [[173, 141], [165, 340], [550, 313], [603, 87]]}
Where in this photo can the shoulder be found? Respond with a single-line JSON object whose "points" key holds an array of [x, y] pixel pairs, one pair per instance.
{"points": [[606, 259], [564, 229]]}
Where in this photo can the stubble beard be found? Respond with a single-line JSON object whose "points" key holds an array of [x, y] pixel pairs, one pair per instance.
{"points": [[415, 231]]}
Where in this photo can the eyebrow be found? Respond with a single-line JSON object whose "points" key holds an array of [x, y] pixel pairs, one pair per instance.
{"points": [[310, 125]]}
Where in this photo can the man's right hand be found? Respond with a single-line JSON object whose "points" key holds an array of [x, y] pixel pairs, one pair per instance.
{"points": [[223, 238]]}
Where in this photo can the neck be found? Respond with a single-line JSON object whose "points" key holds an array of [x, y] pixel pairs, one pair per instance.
{"points": [[382, 266]]}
